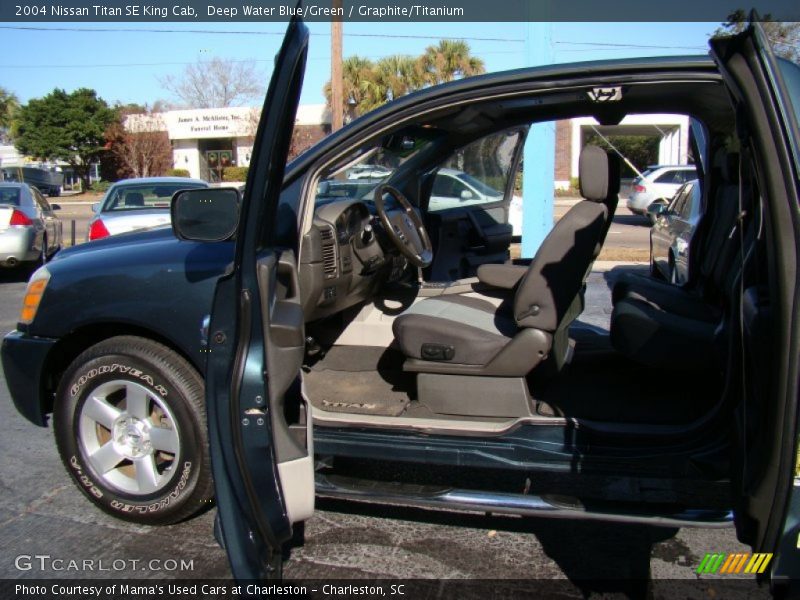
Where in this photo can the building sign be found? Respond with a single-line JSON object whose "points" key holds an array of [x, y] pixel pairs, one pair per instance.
{"points": [[211, 123]]}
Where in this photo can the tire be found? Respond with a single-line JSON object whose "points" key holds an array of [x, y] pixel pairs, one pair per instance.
{"points": [[145, 459]]}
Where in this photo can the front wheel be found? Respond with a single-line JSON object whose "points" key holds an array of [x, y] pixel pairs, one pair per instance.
{"points": [[130, 428]]}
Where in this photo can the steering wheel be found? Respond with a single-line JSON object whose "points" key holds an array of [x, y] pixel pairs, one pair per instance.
{"points": [[405, 227]]}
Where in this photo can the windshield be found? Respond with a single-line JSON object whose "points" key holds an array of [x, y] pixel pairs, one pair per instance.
{"points": [[144, 196], [357, 176], [9, 196]]}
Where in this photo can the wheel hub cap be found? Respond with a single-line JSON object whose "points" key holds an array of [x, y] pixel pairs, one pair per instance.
{"points": [[132, 437]]}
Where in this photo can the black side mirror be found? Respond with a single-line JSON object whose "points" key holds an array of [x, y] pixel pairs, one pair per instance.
{"points": [[656, 209], [205, 214], [55, 207]]}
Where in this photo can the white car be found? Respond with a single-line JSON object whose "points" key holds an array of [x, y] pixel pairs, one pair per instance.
{"points": [[456, 189], [132, 204], [658, 183]]}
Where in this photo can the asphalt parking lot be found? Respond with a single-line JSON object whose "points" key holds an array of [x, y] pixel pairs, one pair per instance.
{"points": [[42, 513]]}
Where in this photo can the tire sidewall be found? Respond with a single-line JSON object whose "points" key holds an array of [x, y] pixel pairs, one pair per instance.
{"points": [[86, 375]]}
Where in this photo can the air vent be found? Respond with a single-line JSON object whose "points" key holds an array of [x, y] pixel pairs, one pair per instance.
{"points": [[328, 253]]}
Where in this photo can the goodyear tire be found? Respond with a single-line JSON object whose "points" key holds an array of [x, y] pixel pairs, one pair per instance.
{"points": [[130, 427]]}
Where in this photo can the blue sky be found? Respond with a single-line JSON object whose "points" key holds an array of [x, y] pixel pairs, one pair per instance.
{"points": [[125, 66]]}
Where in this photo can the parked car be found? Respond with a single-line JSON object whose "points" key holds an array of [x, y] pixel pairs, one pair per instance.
{"points": [[30, 232], [658, 183], [132, 204], [299, 330], [671, 235]]}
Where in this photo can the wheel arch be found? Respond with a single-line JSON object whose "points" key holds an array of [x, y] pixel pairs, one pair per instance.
{"points": [[69, 347]]}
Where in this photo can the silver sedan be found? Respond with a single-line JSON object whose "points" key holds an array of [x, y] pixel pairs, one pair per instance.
{"points": [[133, 204], [30, 232]]}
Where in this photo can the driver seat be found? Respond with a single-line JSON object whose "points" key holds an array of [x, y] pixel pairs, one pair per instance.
{"points": [[462, 335]]}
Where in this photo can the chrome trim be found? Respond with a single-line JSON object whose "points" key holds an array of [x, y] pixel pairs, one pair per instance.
{"points": [[507, 504]]}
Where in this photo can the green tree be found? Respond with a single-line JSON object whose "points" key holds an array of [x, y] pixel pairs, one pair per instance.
{"points": [[641, 150], [447, 61], [368, 85], [783, 35], [357, 73], [9, 104], [65, 126]]}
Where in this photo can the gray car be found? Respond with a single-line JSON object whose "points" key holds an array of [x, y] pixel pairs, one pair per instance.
{"points": [[671, 235], [132, 204], [29, 229]]}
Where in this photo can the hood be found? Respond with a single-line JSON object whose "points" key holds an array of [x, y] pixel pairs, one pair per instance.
{"points": [[160, 234], [143, 251]]}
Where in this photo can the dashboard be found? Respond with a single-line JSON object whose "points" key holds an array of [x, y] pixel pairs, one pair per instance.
{"points": [[345, 259]]}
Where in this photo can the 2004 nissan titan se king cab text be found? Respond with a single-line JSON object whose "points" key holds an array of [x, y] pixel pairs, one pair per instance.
{"points": [[351, 318]]}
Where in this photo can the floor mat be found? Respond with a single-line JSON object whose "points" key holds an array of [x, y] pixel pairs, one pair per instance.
{"points": [[356, 392]]}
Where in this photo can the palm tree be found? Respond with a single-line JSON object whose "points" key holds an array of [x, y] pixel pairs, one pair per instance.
{"points": [[392, 77], [358, 74], [449, 60], [8, 106]]}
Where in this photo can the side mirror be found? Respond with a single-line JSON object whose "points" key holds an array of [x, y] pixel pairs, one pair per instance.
{"points": [[55, 206], [656, 209], [96, 207], [205, 214], [466, 195]]}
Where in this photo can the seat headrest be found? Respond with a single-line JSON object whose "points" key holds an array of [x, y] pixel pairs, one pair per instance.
{"points": [[598, 172], [134, 199]]}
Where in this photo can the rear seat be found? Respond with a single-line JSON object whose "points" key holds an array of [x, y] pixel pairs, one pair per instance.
{"points": [[659, 324]]}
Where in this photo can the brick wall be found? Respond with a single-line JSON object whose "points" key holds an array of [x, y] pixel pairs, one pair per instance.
{"points": [[563, 150]]}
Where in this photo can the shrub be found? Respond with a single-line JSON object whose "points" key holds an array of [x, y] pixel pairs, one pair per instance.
{"points": [[100, 186], [234, 174], [178, 173]]}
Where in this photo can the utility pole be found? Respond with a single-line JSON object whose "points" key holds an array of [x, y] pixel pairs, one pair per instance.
{"points": [[337, 93]]}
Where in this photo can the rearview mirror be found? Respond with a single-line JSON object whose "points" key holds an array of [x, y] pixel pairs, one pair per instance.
{"points": [[55, 206], [96, 207], [466, 195], [205, 214]]}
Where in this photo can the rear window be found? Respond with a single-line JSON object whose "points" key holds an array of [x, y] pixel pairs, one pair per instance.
{"points": [[144, 196], [9, 196], [678, 176]]}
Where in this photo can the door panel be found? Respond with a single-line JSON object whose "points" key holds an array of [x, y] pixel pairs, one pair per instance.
{"points": [[284, 335], [766, 419], [259, 428]]}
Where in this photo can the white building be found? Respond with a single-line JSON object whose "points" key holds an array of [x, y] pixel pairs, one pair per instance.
{"points": [[205, 141]]}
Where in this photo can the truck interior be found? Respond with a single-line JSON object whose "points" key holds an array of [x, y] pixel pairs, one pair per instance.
{"points": [[417, 317]]}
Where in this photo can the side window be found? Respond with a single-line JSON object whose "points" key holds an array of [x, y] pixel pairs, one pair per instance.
{"points": [[40, 200], [687, 207], [477, 173], [678, 202]]}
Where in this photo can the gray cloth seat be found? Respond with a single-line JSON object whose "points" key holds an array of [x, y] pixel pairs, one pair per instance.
{"points": [[474, 328], [134, 199], [656, 323], [516, 336]]}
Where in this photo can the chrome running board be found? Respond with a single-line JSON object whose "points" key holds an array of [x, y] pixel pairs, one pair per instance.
{"points": [[432, 497]]}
